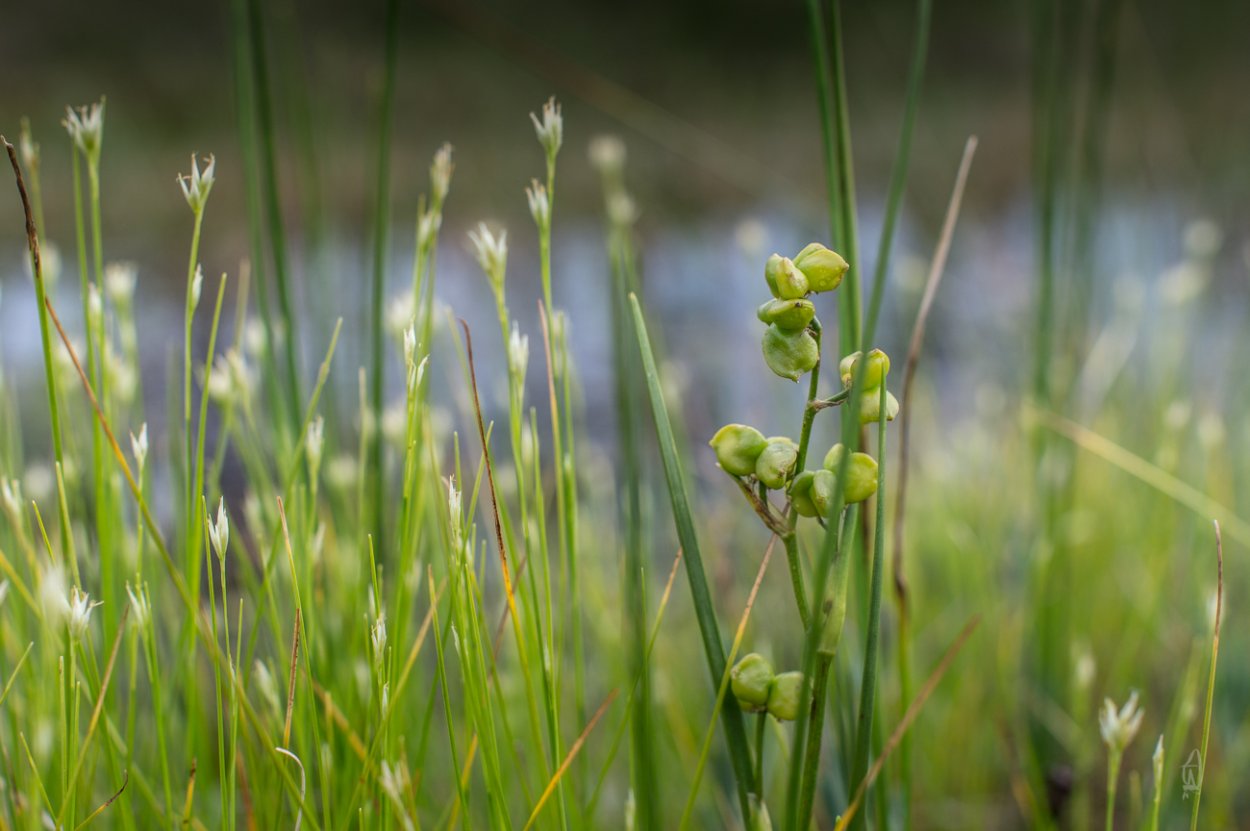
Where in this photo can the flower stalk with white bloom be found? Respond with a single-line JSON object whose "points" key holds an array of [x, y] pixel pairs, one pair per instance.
{"points": [[1118, 727], [139, 447], [80, 607], [219, 529], [491, 253]]}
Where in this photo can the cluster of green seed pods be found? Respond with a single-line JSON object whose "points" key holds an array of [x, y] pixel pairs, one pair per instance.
{"points": [[812, 493], [875, 369], [743, 451], [790, 349], [758, 688]]}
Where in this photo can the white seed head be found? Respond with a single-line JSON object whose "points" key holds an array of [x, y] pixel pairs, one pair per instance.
{"points": [[219, 529], [119, 282], [85, 126], [607, 155], [314, 441], [550, 130], [440, 174], [198, 185], [139, 446], [140, 608], [80, 607], [540, 204], [1119, 727], [518, 353], [491, 253]]}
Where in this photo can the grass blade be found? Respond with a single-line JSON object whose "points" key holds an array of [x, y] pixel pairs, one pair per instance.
{"points": [[713, 648]]}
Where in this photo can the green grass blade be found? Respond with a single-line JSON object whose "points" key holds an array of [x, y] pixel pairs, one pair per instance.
{"points": [[713, 648]]}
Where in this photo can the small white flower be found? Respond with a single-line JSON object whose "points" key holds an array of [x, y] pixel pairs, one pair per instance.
{"points": [[491, 253], [139, 606], [119, 282], [197, 186], [219, 529], [86, 127], [197, 285], [80, 607], [518, 354], [550, 130], [540, 204], [440, 174], [1119, 727], [607, 155], [139, 446], [314, 441]]}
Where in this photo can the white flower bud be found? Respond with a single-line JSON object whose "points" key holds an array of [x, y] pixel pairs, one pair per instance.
{"points": [[119, 282], [550, 130], [219, 529], [197, 285], [1119, 727], [197, 186], [518, 354], [139, 446], [491, 253], [607, 155], [440, 174], [86, 127], [140, 607], [80, 607], [314, 441], [540, 204]]}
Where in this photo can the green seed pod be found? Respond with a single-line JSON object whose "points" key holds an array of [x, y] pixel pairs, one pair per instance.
{"points": [[790, 354], [784, 280], [776, 463], [824, 484], [875, 370], [861, 473], [823, 268], [737, 447], [870, 408], [783, 698], [791, 315], [801, 494], [751, 680]]}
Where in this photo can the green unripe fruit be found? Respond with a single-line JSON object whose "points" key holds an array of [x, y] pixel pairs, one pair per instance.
{"points": [[823, 268], [801, 494], [784, 280], [874, 371], [791, 315], [737, 447], [783, 698], [790, 354], [861, 473], [870, 407], [824, 484], [751, 681], [776, 463]]}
